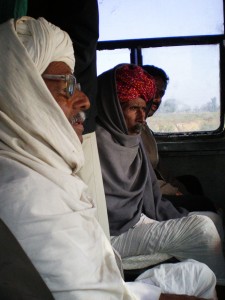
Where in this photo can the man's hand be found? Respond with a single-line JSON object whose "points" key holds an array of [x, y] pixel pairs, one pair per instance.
{"points": [[178, 297], [178, 193]]}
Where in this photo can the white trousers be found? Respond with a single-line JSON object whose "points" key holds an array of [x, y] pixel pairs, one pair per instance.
{"points": [[194, 237]]}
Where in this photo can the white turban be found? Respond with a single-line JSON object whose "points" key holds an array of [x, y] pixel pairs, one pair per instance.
{"points": [[45, 42], [28, 109]]}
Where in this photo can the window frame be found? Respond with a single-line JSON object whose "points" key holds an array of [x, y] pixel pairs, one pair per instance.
{"points": [[136, 45]]}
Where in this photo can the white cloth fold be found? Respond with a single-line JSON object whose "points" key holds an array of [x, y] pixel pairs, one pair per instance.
{"points": [[188, 277]]}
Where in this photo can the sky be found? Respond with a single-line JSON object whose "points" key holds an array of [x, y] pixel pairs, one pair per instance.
{"points": [[125, 19]]}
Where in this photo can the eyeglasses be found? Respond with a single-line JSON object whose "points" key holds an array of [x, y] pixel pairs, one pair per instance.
{"points": [[71, 82]]}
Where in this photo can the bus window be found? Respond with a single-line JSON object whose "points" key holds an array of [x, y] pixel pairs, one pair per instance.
{"points": [[107, 59], [192, 99], [185, 38]]}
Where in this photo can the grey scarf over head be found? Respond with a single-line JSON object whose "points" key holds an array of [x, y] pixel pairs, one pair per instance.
{"points": [[130, 183]]}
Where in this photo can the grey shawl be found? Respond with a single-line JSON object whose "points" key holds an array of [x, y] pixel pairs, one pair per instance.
{"points": [[130, 183]]}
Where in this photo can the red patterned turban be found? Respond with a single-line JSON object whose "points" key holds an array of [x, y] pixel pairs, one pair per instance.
{"points": [[133, 82]]}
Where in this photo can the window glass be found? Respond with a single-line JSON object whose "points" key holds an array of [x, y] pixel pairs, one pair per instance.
{"points": [[132, 19], [107, 59], [192, 99]]}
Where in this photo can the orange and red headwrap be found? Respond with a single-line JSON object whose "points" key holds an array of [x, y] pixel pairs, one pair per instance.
{"points": [[133, 82]]}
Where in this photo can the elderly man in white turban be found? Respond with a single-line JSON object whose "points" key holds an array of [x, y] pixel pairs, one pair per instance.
{"points": [[43, 201]]}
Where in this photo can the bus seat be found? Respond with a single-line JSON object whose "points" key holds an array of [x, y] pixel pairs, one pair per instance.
{"points": [[92, 176], [19, 277]]}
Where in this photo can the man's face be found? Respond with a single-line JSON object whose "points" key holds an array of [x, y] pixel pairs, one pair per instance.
{"points": [[134, 112], [160, 91], [72, 106]]}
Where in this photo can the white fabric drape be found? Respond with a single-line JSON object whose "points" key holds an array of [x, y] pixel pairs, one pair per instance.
{"points": [[42, 200]]}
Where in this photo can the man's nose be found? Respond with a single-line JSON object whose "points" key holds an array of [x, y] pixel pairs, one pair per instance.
{"points": [[80, 101], [141, 115]]}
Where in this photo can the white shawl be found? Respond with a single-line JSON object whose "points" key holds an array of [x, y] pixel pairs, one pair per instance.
{"points": [[42, 200]]}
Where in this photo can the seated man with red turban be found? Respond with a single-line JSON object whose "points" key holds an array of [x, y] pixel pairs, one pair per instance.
{"points": [[141, 221]]}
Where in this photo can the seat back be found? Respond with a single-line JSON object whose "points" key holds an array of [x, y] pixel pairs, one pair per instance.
{"points": [[92, 176]]}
